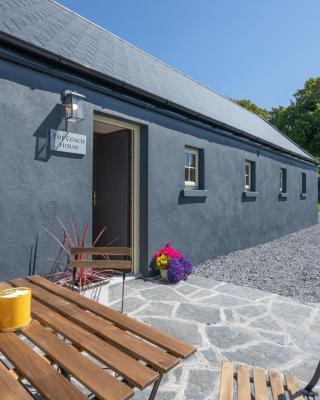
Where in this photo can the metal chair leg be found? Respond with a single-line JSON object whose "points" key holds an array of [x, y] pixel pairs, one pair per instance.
{"points": [[155, 388], [123, 282], [307, 391], [74, 276], [314, 380]]}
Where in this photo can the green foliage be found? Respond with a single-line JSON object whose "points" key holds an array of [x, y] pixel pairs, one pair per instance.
{"points": [[300, 121], [249, 105]]}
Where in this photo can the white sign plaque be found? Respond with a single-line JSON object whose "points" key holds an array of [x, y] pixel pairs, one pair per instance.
{"points": [[67, 142]]}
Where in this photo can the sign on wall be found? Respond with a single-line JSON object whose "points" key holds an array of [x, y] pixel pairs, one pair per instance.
{"points": [[67, 142]]}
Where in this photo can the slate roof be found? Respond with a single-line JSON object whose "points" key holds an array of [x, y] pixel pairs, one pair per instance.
{"points": [[48, 25]]}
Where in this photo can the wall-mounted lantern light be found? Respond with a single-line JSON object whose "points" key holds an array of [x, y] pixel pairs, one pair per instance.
{"points": [[73, 104]]}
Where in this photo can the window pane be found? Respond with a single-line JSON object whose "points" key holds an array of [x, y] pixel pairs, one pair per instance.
{"points": [[186, 159], [192, 175], [192, 160], [248, 175], [186, 176], [304, 182], [191, 167], [247, 181]]}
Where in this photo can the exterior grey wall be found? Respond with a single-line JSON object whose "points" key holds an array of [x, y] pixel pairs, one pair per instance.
{"points": [[223, 221], [37, 186]]}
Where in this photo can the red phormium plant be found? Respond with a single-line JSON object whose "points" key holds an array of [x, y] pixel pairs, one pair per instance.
{"points": [[75, 237]]}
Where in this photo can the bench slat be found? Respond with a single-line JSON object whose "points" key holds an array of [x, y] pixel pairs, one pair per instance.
{"points": [[293, 385], [243, 382], [10, 388], [108, 264], [173, 345], [260, 384], [36, 370], [103, 251], [100, 382], [226, 381], [130, 344], [276, 386]]}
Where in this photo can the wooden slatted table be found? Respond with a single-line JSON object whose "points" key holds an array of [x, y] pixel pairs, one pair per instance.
{"points": [[73, 340]]}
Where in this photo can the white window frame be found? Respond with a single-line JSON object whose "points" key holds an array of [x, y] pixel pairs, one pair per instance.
{"points": [[192, 184], [248, 187]]}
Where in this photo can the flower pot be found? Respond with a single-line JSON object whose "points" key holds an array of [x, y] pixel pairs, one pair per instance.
{"points": [[164, 274], [98, 291]]}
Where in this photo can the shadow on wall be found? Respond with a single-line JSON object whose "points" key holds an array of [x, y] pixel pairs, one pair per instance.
{"points": [[59, 262], [54, 120], [190, 200], [33, 256], [246, 199]]}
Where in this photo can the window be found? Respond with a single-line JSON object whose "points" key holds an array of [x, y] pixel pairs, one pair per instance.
{"points": [[303, 182], [249, 176], [283, 180], [191, 168]]}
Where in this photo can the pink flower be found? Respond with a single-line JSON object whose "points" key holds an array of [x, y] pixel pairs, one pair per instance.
{"points": [[169, 251]]}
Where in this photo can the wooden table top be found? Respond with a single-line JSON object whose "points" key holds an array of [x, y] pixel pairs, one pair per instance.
{"points": [[123, 353]]}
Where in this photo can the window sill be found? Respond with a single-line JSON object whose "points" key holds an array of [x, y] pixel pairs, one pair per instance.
{"points": [[303, 195], [248, 194], [195, 193], [283, 195]]}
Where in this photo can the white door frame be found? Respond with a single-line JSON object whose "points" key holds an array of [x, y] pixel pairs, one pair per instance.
{"points": [[135, 182]]}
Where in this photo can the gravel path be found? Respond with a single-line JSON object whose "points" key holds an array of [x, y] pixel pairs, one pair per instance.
{"points": [[289, 266]]}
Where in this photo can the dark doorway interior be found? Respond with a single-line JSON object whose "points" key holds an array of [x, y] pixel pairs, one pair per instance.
{"points": [[112, 188]]}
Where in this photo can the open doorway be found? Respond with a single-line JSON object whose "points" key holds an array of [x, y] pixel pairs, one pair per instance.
{"points": [[113, 191]]}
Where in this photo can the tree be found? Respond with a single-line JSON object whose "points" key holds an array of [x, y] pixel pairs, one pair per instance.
{"points": [[249, 105], [301, 119]]}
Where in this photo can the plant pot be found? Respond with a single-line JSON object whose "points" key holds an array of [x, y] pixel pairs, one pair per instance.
{"points": [[98, 291], [164, 274]]}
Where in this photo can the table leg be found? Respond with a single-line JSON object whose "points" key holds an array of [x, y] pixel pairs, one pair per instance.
{"points": [[155, 388]]}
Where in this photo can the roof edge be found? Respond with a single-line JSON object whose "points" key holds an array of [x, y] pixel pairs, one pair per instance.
{"points": [[65, 62], [275, 128]]}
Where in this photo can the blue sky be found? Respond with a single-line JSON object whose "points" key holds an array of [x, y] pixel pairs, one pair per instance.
{"points": [[263, 50]]}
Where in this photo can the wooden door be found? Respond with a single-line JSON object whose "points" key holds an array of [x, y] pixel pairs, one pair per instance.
{"points": [[112, 188]]}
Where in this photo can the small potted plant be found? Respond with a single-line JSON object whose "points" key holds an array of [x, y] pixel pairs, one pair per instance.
{"points": [[91, 282], [173, 265]]}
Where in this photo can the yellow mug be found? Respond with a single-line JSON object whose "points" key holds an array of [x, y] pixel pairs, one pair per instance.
{"points": [[15, 308]]}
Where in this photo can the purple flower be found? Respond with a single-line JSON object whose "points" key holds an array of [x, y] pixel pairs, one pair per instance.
{"points": [[187, 266], [176, 271]]}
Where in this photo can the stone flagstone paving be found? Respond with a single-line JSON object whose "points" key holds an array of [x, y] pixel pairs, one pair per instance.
{"points": [[224, 321]]}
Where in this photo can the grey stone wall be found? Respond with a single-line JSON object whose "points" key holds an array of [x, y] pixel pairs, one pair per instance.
{"points": [[37, 186]]}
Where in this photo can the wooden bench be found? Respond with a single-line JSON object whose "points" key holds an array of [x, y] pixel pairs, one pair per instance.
{"points": [[106, 262], [249, 383]]}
